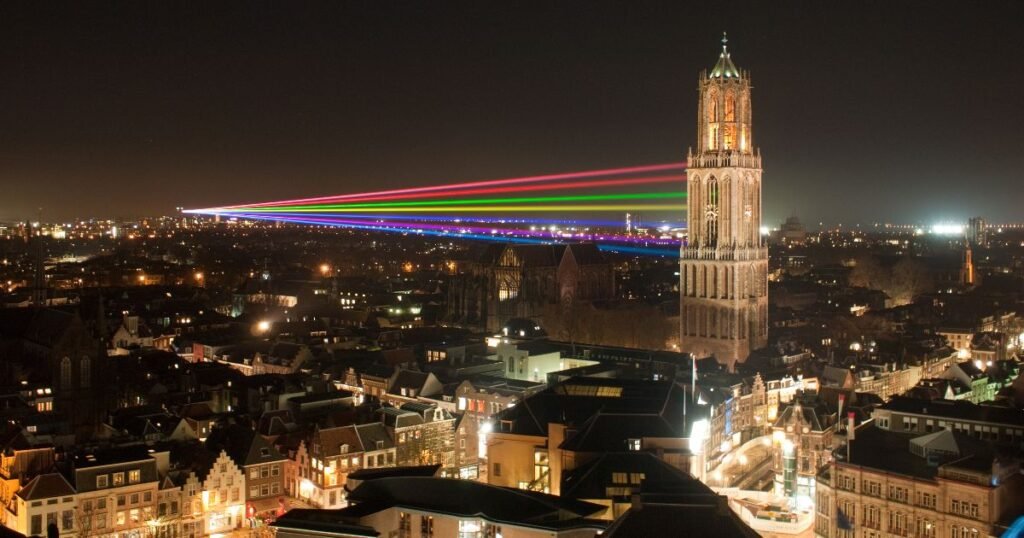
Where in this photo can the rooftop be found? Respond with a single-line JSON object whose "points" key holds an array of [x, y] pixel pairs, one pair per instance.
{"points": [[956, 409], [464, 498], [576, 400], [892, 452]]}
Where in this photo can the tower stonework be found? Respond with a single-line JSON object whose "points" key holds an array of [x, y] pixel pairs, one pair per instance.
{"points": [[724, 264]]}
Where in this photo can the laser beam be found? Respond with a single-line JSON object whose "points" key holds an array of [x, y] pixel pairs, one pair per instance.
{"points": [[472, 184], [472, 201]]}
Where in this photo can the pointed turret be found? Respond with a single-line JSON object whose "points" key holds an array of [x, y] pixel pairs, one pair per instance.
{"points": [[724, 68]]}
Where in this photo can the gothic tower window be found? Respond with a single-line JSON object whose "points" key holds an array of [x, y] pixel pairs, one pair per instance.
{"points": [[85, 370], [711, 213], [730, 107], [65, 373]]}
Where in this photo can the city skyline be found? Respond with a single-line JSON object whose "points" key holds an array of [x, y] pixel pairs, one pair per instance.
{"points": [[423, 270], [160, 109]]}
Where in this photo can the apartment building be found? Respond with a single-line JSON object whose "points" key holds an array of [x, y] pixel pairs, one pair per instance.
{"points": [[116, 491], [944, 484]]}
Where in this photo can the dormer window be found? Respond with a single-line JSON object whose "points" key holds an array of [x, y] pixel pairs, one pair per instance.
{"points": [[344, 449], [264, 452], [380, 445]]}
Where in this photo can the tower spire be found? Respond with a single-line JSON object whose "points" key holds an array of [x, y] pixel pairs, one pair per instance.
{"points": [[724, 68]]}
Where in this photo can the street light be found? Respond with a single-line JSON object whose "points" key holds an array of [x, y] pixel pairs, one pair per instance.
{"points": [[263, 326]]}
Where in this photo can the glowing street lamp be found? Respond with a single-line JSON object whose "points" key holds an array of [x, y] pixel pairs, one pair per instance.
{"points": [[263, 326]]}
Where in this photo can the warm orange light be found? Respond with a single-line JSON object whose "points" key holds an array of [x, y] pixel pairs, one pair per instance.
{"points": [[325, 269]]}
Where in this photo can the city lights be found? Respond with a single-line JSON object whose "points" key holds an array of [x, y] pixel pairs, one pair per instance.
{"points": [[330, 342], [947, 229]]}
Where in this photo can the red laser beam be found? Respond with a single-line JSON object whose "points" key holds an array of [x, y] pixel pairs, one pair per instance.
{"points": [[472, 184]]}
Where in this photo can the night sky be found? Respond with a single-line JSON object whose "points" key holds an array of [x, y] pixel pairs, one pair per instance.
{"points": [[891, 111]]}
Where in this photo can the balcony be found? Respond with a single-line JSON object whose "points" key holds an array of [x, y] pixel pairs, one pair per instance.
{"points": [[725, 159]]}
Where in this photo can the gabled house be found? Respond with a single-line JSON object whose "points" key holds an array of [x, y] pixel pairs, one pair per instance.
{"points": [[262, 463]]}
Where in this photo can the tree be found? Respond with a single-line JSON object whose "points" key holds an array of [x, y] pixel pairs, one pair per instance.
{"points": [[85, 518], [869, 273], [910, 278]]}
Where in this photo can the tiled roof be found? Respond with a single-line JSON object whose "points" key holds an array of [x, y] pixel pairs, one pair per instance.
{"points": [[370, 434], [46, 486], [409, 379], [331, 440]]}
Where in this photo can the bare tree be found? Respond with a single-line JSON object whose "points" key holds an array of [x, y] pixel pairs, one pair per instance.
{"points": [[85, 518], [910, 278], [869, 273]]}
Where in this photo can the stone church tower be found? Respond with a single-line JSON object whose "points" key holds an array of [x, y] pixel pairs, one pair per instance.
{"points": [[724, 264]]}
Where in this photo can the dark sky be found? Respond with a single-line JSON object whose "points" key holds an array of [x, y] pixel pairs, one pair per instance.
{"points": [[902, 111]]}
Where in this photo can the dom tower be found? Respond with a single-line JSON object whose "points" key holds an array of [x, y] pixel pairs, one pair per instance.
{"points": [[724, 265]]}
